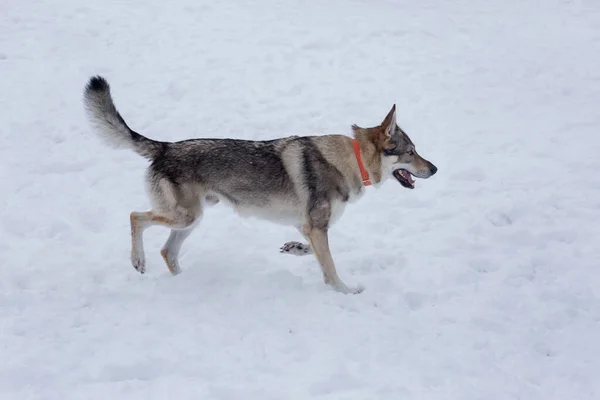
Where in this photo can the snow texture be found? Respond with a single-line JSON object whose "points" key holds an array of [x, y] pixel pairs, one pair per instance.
{"points": [[482, 283]]}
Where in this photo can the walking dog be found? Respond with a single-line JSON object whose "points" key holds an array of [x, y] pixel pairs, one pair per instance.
{"points": [[300, 181]]}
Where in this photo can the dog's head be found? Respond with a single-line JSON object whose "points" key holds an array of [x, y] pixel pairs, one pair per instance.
{"points": [[399, 155]]}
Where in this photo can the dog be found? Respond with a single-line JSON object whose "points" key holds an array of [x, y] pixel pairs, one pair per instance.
{"points": [[302, 181]]}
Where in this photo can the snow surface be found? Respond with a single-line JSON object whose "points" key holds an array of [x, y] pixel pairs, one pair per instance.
{"points": [[482, 283]]}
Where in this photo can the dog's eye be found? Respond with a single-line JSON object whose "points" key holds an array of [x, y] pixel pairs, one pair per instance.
{"points": [[411, 153]]}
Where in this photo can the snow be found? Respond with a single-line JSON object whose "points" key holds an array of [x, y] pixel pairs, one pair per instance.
{"points": [[482, 283]]}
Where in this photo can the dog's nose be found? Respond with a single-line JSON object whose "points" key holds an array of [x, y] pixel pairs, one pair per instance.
{"points": [[433, 169]]}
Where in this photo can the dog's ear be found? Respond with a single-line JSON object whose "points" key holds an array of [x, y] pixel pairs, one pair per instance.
{"points": [[389, 123]]}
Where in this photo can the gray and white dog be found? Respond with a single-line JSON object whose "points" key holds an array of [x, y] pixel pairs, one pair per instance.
{"points": [[300, 181]]}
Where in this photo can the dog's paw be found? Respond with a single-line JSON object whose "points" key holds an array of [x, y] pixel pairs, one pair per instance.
{"points": [[138, 263], [342, 288], [295, 248], [172, 263], [357, 290]]}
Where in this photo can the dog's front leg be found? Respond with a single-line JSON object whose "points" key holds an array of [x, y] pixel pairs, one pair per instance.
{"points": [[320, 246]]}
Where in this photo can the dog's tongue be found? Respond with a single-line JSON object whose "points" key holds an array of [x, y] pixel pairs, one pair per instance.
{"points": [[408, 177]]}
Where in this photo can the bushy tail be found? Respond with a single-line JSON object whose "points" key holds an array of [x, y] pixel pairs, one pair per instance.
{"points": [[109, 124]]}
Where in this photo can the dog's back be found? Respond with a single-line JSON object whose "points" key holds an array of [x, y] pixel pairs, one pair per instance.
{"points": [[278, 179]]}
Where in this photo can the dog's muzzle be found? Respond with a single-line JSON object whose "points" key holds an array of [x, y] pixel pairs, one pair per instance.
{"points": [[406, 178]]}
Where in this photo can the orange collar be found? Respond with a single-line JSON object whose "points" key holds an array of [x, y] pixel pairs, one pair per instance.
{"points": [[363, 171]]}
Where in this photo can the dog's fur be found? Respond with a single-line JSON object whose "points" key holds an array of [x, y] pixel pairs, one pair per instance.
{"points": [[300, 181]]}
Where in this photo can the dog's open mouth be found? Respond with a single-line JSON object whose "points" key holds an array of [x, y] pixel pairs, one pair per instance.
{"points": [[405, 178]]}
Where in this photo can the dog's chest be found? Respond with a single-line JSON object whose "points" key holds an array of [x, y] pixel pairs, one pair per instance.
{"points": [[338, 206], [337, 210]]}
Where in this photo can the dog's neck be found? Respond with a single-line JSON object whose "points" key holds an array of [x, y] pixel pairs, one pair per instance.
{"points": [[370, 150]]}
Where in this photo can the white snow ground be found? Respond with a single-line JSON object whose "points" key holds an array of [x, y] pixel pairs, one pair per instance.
{"points": [[482, 283]]}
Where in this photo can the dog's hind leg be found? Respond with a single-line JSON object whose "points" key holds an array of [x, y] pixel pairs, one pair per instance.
{"points": [[170, 251], [175, 207], [139, 222], [181, 225]]}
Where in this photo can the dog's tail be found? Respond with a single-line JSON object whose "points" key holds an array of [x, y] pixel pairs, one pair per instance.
{"points": [[109, 124]]}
